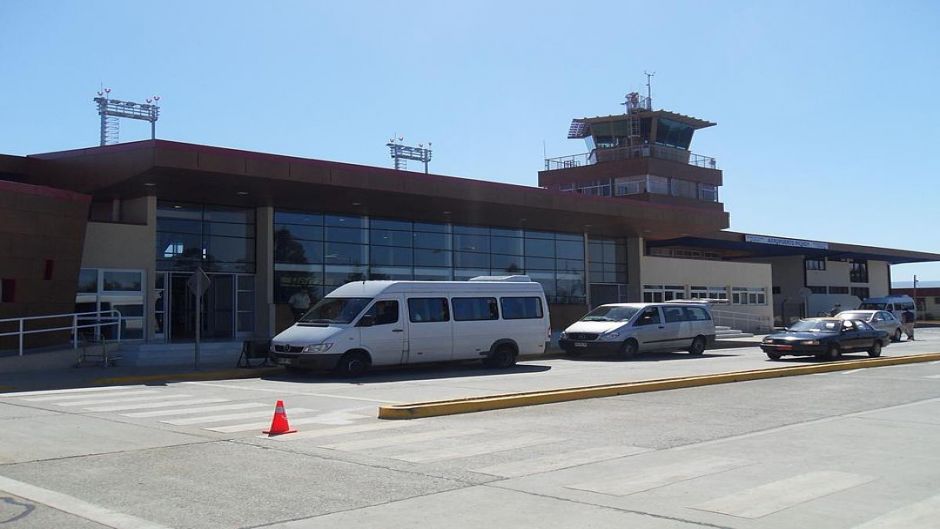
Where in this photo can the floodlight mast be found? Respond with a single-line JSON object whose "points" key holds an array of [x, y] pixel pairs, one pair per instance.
{"points": [[112, 109], [401, 153]]}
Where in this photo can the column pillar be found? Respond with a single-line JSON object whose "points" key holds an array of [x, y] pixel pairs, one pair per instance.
{"points": [[264, 271]]}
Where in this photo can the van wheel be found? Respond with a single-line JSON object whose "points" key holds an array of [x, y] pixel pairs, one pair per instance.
{"points": [[698, 346], [503, 357], [629, 348], [897, 335], [875, 350], [353, 364]]}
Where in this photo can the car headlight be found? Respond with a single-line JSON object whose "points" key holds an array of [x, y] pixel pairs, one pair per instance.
{"points": [[810, 342], [610, 335], [563, 336], [318, 348]]}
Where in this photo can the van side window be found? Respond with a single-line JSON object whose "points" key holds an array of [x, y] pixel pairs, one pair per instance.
{"points": [[673, 314], [697, 314], [521, 308], [424, 310], [649, 316], [384, 312], [474, 309]]}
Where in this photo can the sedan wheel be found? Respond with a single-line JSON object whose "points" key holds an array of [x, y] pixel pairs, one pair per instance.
{"points": [[833, 353], [875, 350], [774, 356]]}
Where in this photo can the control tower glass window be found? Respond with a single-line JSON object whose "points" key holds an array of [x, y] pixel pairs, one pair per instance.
{"points": [[673, 133]]}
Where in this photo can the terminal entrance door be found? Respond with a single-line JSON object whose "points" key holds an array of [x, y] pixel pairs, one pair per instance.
{"points": [[219, 309]]}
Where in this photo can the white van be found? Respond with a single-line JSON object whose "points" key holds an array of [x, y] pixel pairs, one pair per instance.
{"points": [[629, 328], [894, 304], [384, 323]]}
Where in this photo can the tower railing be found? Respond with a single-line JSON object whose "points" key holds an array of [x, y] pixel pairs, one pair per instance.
{"points": [[661, 152]]}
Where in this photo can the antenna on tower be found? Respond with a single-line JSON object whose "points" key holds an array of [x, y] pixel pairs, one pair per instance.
{"points": [[649, 87]]}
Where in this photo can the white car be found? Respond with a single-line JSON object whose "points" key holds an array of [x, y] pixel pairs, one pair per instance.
{"points": [[881, 320]]}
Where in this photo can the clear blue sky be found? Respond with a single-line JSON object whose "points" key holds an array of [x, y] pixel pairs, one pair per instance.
{"points": [[827, 112]]}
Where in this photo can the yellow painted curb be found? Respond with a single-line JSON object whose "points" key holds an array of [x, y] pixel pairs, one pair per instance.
{"points": [[513, 400], [197, 375]]}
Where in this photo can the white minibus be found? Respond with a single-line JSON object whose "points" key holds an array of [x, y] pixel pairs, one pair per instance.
{"points": [[384, 323], [894, 304]]}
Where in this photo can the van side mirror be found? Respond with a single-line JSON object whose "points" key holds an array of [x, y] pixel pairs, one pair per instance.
{"points": [[366, 321]]}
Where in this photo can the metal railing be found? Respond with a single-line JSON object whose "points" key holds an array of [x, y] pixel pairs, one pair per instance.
{"points": [[661, 152], [746, 321], [80, 320]]}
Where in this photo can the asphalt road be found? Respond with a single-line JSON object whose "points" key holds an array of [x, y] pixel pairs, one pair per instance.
{"points": [[855, 448]]}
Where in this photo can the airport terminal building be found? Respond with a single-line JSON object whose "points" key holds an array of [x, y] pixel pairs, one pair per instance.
{"points": [[636, 218]]}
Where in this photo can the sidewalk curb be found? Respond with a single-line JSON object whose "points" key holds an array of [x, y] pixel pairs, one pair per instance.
{"points": [[514, 400]]}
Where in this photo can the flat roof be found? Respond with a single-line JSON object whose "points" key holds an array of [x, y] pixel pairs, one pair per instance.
{"points": [[756, 245], [185, 172]]}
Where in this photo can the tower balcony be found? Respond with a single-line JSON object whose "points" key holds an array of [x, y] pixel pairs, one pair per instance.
{"points": [[660, 152]]}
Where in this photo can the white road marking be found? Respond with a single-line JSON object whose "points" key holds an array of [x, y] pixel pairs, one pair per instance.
{"points": [[66, 391], [193, 411], [656, 477], [230, 416], [398, 440], [559, 461], [921, 514], [779, 495], [281, 392], [122, 400], [153, 405], [66, 398], [343, 430], [473, 449], [75, 506], [264, 425], [850, 371], [932, 376]]}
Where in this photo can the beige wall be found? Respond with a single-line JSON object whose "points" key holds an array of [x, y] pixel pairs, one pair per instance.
{"points": [[688, 272], [878, 278]]}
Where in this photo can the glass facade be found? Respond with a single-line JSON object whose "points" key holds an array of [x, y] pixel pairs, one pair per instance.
{"points": [[317, 252], [220, 239], [120, 290]]}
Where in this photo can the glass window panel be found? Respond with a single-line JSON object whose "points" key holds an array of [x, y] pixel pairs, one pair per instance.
{"points": [[539, 263], [286, 284], [384, 312], [344, 221], [340, 275], [401, 273], [424, 310], [341, 253], [390, 256], [179, 225], [471, 230], [471, 260], [507, 245], [389, 224], [230, 230], [246, 283], [547, 280], [539, 248], [310, 233], [433, 274], [246, 322], [463, 274], [237, 215], [431, 227], [171, 245], [391, 238], [505, 232], [472, 243], [507, 263], [121, 281], [352, 235], [439, 241], [475, 309], [88, 280], [569, 249], [532, 234], [246, 301], [296, 217], [432, 257], [571, 237], [287, 250], [231, 249], [517, 308], [176, 210], [569, 264], [129, 310]]}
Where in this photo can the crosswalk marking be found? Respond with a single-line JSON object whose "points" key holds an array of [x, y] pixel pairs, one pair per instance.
{"points": [[230, 416], [921, 514], [559, 461], [398, 440], [460, 450], [65, 391], [778, 495], [121, 400], [264, 425], [66, 398], [193, 411], [342, 430], [933, 376], [153, 405], [661, 476]]}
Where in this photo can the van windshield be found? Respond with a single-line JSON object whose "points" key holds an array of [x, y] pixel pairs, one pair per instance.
{"points": [[610, 314], [335, 310]]}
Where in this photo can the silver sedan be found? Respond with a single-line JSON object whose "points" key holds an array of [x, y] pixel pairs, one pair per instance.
{"points": [[879, 319]]}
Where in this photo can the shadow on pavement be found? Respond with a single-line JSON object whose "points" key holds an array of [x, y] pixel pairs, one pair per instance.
{"points": [[432, 371]]}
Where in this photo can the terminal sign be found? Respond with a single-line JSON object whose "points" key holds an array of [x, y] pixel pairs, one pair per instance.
{"points": [[779, 241]]}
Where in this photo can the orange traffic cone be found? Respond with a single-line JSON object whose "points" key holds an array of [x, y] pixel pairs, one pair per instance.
{"points": [[279, 422]]}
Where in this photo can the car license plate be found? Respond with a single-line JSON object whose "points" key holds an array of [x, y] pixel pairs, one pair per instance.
{"points": [[784, 347], [284, 361], [580, 344]]}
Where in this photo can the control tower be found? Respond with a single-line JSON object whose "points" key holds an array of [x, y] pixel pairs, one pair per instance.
{"points": [[642, 154]]}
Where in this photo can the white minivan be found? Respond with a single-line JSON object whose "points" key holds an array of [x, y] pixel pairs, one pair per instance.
{"points": [[384, 323], [894, 304], [629, 328]]}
